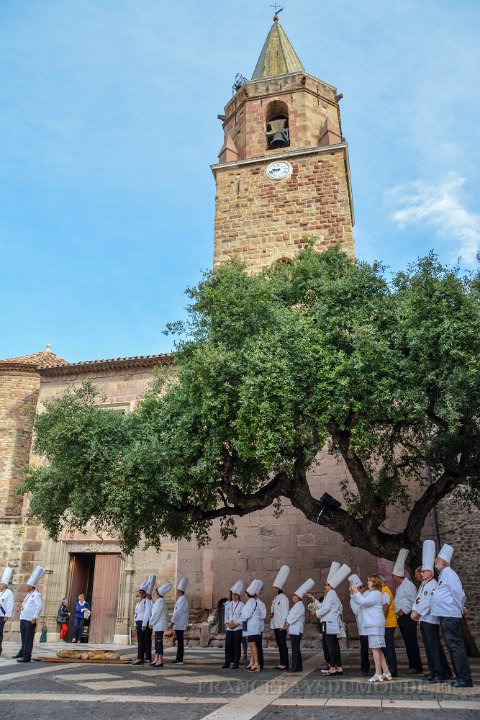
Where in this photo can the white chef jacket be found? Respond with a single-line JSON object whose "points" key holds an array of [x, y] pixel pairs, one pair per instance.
{"points": [[32, 606], [280, 608], [180, 613], [330, 611], [449, 598], [405, 596], [159, 617], [6, 603], [143, 611], [233, 611], [296, 618], [254, 613], [423, 602]]}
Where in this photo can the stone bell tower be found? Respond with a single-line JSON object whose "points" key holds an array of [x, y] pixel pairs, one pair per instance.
{"points": [[283, 173]]}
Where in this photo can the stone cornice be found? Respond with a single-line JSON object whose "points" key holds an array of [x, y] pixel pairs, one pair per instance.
{"points": [[280, 156]]}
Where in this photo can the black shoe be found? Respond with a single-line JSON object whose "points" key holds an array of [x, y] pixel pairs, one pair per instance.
{"points": [[138, 662], [435, 679], [428, 676], [23, 660], [176, 662], [17, 656], [461, 684], [235, 666], [226, 665]]}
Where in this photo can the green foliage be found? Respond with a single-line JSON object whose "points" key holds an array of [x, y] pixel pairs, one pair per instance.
{"points": [[270, 368]]}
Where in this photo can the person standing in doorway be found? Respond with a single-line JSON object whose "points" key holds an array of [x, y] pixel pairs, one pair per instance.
{"points": [[63, 616], [82, 613]]}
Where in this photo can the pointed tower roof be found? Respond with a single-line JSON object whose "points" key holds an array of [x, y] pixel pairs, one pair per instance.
{"points": [[278, 56], [43, 359]]}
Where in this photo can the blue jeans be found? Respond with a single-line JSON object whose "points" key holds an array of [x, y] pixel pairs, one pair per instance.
{"points": [[78, 628]]}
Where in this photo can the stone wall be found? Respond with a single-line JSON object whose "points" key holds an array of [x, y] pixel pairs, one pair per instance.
{"points": [[258, 220], [459, 526]]}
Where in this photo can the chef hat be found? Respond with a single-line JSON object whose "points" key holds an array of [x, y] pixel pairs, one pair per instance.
{"points": [[428, 555], [333, 569], [399, 567], [339, 576], [164, 589], [446, 553], [355, 580], [254, 587], [260, 587], [150, 584], [306, 587], [281, 578], [237, 587], [144, 586], [36, 576], [7, 576], [182, 585]]}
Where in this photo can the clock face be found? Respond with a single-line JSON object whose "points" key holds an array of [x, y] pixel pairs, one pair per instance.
{"points": [[278, 170]]}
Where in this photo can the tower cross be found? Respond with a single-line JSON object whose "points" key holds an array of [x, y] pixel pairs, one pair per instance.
{"points": [[277, 9]]}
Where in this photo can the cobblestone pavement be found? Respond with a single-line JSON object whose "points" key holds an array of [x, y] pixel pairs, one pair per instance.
{"points": [[200, 689]]}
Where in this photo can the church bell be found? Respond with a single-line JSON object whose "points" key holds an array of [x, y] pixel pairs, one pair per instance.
{"points": [[279, 140]]}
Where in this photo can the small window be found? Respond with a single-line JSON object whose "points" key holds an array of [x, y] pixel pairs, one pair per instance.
{"points": [[276, 125]]}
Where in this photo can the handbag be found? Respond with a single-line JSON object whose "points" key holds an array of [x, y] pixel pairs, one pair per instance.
{"points": [[343, 630]]}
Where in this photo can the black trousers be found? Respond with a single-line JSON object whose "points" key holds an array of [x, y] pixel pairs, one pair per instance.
{"points": [[389, 651], [27, 633], [2, 628], [180, 645], [259, 644], [233, 646], [144, 642], [364, 654], [408, 628], [452, 632], [281, 639], [436, 658], [333, 650], [325, 648], [159, 642], [295, 641]]}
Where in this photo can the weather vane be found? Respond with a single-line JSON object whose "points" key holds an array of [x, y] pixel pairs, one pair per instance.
{"points": [[275, 6]]}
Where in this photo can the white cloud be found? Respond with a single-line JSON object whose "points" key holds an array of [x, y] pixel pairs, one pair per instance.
{"points": [[440, 207]]}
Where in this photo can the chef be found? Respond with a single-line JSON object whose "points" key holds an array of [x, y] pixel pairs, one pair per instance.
{"points": [[159, 622], [429, 624], [253, 616], [404, 601], [143, 613], [233, 626], [180, 619], [358, 612], [278, 615], [295, 622], [329, 611], [6, 601], [32, 606], [448, 604]]}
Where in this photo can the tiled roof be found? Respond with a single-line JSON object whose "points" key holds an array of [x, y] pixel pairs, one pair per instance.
{"points": [[278, 56], [45, 358], [87, 366]]}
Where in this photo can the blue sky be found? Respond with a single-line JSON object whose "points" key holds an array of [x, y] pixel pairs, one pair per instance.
{"points": [[108, 125]]}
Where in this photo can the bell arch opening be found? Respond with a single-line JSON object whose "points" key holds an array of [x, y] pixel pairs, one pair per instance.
{"points": [[276, 125]]}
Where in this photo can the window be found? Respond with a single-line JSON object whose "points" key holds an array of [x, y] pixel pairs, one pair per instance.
{"points": [[276, 125]]}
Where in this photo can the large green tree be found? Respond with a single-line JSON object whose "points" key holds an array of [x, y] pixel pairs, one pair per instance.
{"points": [[320, 354]]}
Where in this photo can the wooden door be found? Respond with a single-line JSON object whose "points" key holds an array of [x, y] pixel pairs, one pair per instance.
{"points": [[104, 598], [78, 576]]}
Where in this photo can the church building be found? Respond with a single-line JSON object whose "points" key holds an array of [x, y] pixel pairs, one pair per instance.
{"points": [[282, 177]]}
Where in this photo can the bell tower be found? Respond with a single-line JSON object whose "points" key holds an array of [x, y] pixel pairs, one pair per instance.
{"points": [[282, 175]]}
